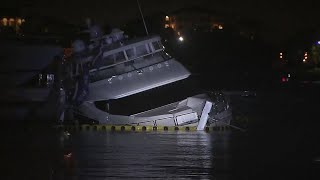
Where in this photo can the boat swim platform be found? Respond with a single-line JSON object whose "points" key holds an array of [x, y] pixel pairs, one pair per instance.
{"points": [[129, 128]]}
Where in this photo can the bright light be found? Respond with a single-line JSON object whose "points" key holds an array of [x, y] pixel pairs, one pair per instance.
{"points": [[281, 55], [220, 27], [5, 21], [305, 57], [318, 42], [181, 38], [11, 22], [167, 18], [19, 21]]}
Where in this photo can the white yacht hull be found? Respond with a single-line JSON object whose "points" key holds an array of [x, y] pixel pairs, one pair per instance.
{"points": [[187, 112]]}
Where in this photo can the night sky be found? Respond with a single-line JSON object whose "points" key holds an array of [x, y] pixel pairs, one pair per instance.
{"points": [[279, 20]]}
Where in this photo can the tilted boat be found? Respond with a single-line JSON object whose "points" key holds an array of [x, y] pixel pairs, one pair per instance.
{"points": [[121, 81]]}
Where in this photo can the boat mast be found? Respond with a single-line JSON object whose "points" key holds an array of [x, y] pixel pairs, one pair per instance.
{"points": [[144, 23]]}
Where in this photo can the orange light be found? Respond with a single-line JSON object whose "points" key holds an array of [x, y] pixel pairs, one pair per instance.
{"points": [[5, 21], [19, 21], [11, 22]]}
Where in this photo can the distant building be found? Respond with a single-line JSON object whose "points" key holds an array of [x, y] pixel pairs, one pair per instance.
{"points": [[194, 18], [205, 20], [304, 47], [11, 20]]}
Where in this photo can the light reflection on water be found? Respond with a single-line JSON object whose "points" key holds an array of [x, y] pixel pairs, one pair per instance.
{"points": [[164, 155]]}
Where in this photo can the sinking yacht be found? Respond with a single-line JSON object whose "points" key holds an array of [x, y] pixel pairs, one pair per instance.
{"points": [[121, 81]]}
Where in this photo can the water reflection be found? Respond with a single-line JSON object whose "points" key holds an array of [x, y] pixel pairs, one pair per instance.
{"points": [[172, 155]]}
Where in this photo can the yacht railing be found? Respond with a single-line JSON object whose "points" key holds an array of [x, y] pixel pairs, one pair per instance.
{"points": [[126, 61], [109, 71], [165, 118], [137, 114]]}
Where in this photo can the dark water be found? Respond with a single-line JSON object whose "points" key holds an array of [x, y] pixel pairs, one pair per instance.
{"points": [[163, 155], [172, 155]]}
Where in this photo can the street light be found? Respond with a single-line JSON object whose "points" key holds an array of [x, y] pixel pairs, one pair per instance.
{"points": [[305, 57], [281, 55]]}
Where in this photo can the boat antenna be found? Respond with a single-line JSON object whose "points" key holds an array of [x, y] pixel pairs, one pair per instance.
{"points": [[144, 23]]}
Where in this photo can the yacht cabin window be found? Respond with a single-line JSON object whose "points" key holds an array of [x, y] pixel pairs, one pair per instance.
{"points": [[109, 60], [130, 53], [156, 45], [141, 50], [120, 57]]}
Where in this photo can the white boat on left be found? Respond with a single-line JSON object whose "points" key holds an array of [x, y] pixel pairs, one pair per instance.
{"points": [[30, 85]]}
